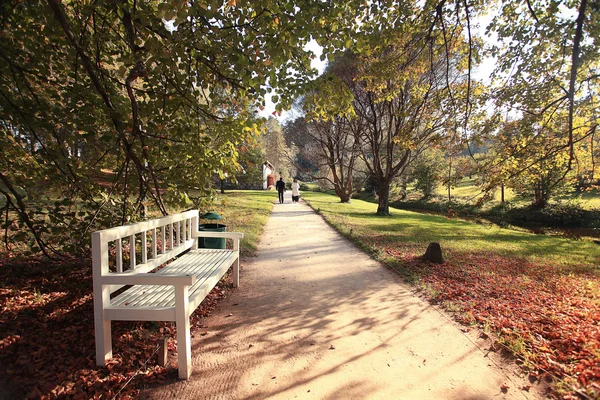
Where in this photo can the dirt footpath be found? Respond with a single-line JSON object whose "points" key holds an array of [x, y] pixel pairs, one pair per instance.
{"points": [[316, 318]]}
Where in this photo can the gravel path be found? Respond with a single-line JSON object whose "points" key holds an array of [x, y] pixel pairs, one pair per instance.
{"points": [[316, 318]]}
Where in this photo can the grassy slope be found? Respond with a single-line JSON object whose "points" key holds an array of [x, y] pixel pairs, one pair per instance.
{"points": [[245, 211], [416, 230], [468, 191], [587, 200]]}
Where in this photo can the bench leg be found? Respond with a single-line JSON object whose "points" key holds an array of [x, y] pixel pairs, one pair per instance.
{"points": [[103, 341], [236, 273], [101, 299], [102, 327], [184, 340]]}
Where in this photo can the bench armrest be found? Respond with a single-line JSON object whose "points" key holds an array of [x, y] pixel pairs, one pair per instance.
{"points": [[148, 279], [228, 235]]}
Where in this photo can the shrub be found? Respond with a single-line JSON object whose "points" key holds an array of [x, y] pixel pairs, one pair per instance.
{"points": [[553, 215]]}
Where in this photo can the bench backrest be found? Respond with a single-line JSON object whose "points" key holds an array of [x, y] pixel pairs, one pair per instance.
{"points": [[143, 245]]}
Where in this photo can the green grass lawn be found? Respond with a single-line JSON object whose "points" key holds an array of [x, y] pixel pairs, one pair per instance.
{"points": [[414, 231], [587, 200], [312, 186], [466, 190], [245, 211]]}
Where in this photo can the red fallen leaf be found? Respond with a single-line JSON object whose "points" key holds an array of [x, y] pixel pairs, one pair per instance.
{"points": [[504, 388]]}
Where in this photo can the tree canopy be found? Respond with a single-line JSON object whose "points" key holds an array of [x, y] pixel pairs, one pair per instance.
{"points": [[109, 107]]}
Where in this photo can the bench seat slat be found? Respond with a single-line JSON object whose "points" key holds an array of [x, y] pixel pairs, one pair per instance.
{"points": [[205, 264], [199, 291], [141, 295], [199, 263], [195, 262], [140, 314]]}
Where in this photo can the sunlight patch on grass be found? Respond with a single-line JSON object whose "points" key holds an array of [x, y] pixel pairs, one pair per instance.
{"points": [[245, 211], [468, 190], [588, 200], [414, 231]]}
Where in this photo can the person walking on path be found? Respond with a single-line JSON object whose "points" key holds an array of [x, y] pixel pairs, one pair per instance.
{"points": [[280, 186], [295, 191]]}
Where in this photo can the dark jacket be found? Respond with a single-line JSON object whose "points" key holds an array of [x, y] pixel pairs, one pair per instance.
{"points": [[280, 186]]}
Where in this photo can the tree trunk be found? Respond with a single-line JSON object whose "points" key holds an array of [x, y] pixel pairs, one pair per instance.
{"points": [[342, 192], [540, 203], [449, 180], [384, 199], [502, 193], [344, 197], [345, 192], [403, 185]]}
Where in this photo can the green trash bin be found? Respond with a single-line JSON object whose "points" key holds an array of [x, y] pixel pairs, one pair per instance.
{"points": [[212, 243]]}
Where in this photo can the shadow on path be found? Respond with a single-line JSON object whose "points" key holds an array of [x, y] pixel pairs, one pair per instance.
{"points": [[315, 317]]}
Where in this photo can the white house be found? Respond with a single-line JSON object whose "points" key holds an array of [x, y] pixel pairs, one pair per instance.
{"points": [[268, 177]]}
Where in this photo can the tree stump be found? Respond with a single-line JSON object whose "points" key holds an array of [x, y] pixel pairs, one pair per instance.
{"points": [[434, 253]]}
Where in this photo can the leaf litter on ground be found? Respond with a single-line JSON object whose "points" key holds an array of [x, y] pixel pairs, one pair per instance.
{"points": [[47, 347], [549, 317]]}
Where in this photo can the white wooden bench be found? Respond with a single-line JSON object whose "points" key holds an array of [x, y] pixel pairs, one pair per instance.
{"points": [[170, 294]]}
